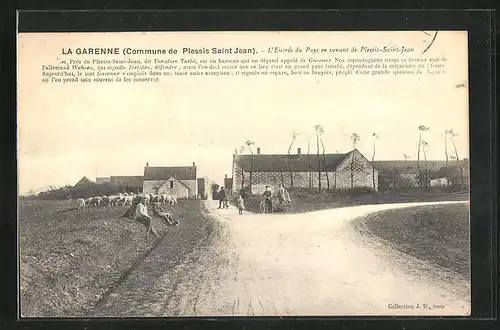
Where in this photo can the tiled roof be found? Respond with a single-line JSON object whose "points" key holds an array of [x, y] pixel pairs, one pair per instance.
{"points": [[83, 182], [131, 181], [277, 162], [165, 173]]}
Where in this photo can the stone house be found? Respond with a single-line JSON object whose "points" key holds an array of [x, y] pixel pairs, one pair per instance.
{"points": [[347, 170], [204, 185], [83, 182], [228, 184], [131, 183], [401, 173], [101, 180], [179, 181]]}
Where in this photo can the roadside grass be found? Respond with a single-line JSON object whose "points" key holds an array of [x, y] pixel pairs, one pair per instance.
{"points": [[70, 258], [436, 233], [304, 200]]}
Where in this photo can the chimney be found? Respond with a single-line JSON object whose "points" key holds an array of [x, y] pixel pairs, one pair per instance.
{"points": [[258, 150], [225, 176], [147, 164], [298, 151]]}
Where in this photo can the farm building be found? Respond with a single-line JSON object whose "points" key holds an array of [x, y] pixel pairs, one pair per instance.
{"points": [[83, 182], [129, 183], [204, 185], [101, 180], [228, 184], [400, 173], [348, 170], [180, 181]]}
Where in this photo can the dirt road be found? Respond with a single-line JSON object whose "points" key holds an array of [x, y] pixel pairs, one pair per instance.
{"points": [[296, 264]]}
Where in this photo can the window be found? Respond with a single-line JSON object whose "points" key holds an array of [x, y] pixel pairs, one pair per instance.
{"points": [[171, 184]]}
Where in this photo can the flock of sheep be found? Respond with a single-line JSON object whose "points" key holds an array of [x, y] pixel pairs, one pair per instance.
{"points": [[124, 199]]}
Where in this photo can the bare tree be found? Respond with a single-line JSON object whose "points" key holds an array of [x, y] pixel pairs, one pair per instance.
{"points": [[446, 157], [242, 150], [309, 160], [425, 145], [422, 129], [355, 139], [319, 130], [375, 138], [249, 145], [294, 136], [406, 157], [452, 135], [324, 163]]}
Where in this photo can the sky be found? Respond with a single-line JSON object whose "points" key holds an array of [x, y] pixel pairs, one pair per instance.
{"points": [[74, 130]]}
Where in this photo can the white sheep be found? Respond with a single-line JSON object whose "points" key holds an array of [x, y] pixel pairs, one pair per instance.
{"points": [[80, 203], [97, 201]]}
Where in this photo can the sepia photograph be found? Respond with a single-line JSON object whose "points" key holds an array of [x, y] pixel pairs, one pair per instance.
{"points": [[177, 174]]}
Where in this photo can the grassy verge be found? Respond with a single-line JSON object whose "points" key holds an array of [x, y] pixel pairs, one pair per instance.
{"points": [[437, 233], [306, 200], [70, 258]]}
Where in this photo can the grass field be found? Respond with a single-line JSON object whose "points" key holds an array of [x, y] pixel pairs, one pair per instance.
{"points": [[69, 259], [305, 200], [439, 233]]}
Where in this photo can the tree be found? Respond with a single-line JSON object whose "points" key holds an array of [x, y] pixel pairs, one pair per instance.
{"points": [[324, 164], [452, 136], [422, 129], [446, 156], [319, 130], [309, 161], [214, 188], [406, 157], [425, 145], [355, 139], [294, 136], [249, 145], [242, 150], [375, 138]]}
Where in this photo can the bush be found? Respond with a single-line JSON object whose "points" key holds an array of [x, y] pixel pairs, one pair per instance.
{"points": [[355, 192], [69, 192]]}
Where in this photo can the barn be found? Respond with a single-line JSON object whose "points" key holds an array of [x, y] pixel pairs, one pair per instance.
{"points": [[204, 187], [131, 183], [83, 182], [406, 173], [179, 181], [341, 171]]}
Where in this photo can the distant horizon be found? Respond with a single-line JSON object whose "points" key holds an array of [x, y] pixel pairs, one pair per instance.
{"points": [[219, 181]]}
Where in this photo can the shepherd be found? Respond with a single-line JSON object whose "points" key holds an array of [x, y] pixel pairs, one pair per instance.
{"points": [[139, 212], [166, 217]]}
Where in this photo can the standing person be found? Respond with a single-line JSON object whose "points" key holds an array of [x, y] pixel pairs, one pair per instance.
{"points": [[240, 204], [281, 194], [141, 215], [287, 197], [268, 194], [222, 197]]}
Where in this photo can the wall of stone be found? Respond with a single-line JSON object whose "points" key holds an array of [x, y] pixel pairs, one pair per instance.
{"points": [[178, 189], [340, 179]]}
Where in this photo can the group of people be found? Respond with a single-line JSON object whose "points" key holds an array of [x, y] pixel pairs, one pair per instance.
{"points": [[282, 194], [139, 212], [223, 198], [283, 198]]}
